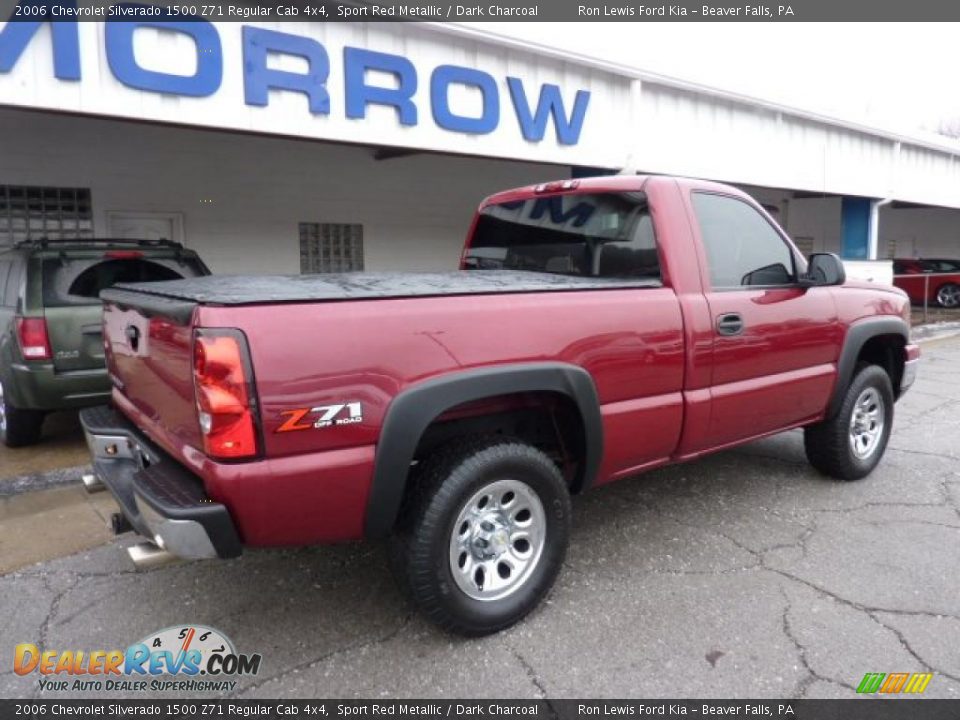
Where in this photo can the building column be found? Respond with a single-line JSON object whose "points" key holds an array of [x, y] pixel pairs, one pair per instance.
{"points": [[875, 205], [855, 217]]}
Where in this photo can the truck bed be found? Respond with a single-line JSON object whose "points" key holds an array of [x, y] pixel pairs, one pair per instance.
{"points": [[261, 289]]}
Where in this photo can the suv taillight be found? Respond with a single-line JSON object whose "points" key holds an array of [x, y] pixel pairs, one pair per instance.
{"points": [[34, 341], [226, 403]]}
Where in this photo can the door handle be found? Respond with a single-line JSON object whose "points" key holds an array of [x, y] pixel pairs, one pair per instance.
{"points": [[730, 324]]}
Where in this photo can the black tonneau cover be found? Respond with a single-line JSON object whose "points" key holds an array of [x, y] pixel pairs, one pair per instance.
{"points": [[259, 289]]}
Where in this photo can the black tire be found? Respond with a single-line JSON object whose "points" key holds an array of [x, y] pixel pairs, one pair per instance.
{"points": [[828, 444], [421, 551], [18, 427], [948, 295]]}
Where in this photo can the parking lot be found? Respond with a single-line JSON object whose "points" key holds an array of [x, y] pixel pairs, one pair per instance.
{"points": [[745, 574]]}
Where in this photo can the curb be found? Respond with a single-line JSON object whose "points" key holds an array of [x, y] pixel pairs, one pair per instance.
{"points": [[42, 481], [935, 331]]}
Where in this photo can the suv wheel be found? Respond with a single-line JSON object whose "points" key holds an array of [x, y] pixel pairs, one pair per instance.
{"points": [[18, 427], [849, 446], [483, 535]]}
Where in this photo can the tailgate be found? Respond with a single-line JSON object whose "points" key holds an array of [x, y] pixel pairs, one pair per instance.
{"points": [[149, 353], [75, 337]]}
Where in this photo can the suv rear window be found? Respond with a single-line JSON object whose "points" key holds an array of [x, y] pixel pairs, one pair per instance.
{"points": [[78, 281], [592, 235]]}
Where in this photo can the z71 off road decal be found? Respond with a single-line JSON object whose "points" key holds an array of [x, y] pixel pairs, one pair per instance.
{"points": [[320, 417]]}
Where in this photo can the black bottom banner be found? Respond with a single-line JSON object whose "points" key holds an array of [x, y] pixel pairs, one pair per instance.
{"points": [[853, 709]]}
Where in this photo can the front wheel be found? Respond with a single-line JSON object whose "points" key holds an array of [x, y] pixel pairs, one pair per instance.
{"points": [[849, 445], [948, 296], [484, 534]]}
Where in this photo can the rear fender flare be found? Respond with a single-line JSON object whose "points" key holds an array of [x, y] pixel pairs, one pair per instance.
{"points": [[412, 411]]}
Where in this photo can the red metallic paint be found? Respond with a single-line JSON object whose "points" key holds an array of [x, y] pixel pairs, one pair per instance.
{"points": [[670, 388]]}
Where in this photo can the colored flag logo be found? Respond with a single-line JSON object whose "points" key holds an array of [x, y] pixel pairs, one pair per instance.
{"points": [[894, 683]]}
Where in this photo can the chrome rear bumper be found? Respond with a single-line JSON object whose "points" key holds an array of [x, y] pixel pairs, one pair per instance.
{"points": [[161, 499]]}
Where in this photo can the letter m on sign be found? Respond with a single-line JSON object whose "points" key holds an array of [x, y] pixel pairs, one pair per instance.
{"points": [[871, 682]]}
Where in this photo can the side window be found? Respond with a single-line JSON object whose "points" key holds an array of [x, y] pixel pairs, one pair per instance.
{"points": [[742, 247]]}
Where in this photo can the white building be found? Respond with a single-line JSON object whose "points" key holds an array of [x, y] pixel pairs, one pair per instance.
{"points": [[289, 146]]}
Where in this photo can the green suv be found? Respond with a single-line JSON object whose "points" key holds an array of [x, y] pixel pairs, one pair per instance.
{"points": [[51, 342]]}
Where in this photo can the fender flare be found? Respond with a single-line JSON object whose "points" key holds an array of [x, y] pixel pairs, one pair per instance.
{"points": [[857, 336], [413, 409]]}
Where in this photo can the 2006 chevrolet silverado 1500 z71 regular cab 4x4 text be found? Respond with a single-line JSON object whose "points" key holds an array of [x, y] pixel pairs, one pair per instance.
{"points": [[596, 329]]}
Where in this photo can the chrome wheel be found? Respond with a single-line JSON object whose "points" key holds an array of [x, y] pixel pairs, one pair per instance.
{"points": [[497, 540], [3, 411], [866, 423], [949, 296]]}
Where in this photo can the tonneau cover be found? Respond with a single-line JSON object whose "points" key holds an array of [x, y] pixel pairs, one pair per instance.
{"points": [[256, 289]]}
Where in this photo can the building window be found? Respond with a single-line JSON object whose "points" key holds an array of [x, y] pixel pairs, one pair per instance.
{"points": [[331, 247], [44, 212]]}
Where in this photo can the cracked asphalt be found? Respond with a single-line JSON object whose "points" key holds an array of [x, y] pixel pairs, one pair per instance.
{"points": [[742, 575]]}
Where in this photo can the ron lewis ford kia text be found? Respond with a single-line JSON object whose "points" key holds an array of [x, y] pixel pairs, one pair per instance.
{"points": [[596, 329]]}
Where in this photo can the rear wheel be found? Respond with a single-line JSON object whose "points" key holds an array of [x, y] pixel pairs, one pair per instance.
{"points": [[949, 295], [849, 445], [483, 535], [18, 427]]}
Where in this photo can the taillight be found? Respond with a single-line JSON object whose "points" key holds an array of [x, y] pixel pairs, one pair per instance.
{"points": [[123, 254], [34, 341], [226, 402]]}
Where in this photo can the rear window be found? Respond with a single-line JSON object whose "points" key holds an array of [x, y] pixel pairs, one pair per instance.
{"points": [[591, 235], [78, 281]]}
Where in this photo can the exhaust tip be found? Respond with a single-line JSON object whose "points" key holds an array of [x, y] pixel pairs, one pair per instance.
{"points": [[91, 483], [147, 555], [119, 524]]}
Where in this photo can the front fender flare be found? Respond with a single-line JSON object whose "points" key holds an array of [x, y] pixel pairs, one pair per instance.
{"points": [[413, 409], [857, 336]]}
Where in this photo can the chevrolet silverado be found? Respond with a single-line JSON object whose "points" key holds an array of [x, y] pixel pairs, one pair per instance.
{"points": [[596, 329]]}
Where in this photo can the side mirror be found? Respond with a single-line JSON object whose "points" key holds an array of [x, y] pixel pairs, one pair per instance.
{"points": [[825, 269]]}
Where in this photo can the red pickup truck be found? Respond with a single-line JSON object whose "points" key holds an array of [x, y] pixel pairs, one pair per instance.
{"points": [[596, 329]]}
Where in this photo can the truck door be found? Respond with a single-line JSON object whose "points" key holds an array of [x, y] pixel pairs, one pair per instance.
{"points": [[775, 343]]}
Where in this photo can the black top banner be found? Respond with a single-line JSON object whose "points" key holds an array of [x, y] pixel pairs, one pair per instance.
{"points": [[500, 11], [852, 709]]}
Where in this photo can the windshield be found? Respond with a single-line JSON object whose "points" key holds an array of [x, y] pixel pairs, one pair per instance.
{"points": [[590, 235]]}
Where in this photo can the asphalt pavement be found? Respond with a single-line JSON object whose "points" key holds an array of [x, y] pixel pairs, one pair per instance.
{"points": [[742, 575]]}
